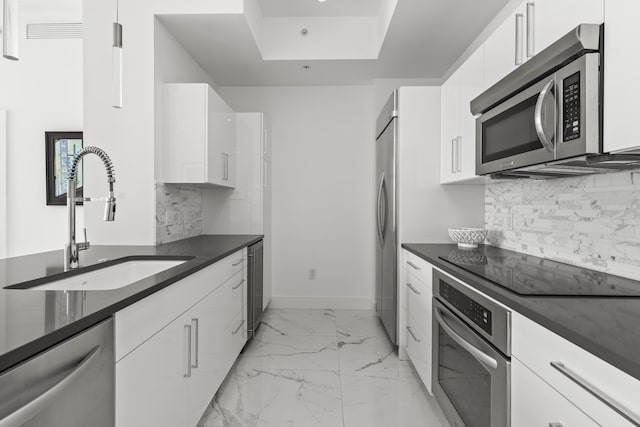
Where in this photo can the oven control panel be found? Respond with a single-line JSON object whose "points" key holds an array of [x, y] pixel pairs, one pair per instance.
{"points": [[571, 108], [472, 310]]}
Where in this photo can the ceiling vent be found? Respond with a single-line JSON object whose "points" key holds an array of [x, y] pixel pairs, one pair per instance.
{"points": [[55, 30]]}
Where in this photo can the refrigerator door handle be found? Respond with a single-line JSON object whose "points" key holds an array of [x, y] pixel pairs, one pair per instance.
{"points": [[379, 211], [383, 224]]}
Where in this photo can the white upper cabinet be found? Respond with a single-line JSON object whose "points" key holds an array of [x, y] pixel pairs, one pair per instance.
{"points": [[554, 19], [198, 137], [505, 47], [458, 150], [532, 27], [622, 86]]}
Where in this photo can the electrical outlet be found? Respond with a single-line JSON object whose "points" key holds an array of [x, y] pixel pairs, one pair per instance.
{"points": [[172, 217], [312, 274]]}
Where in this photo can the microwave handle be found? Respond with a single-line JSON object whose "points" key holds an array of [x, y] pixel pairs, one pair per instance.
{"points": [[546, 92]]}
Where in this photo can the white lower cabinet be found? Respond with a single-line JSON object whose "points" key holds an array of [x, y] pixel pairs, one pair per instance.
{"points": [[170, 377], [600, 390], [415, 333], [535, 403], [151, 387]]}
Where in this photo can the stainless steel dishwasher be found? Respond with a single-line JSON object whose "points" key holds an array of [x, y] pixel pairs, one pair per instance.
{"points": [[69, 385], [255, 297]]}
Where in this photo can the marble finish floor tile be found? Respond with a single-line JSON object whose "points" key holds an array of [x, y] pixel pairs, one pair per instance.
{"points": [[358, 323], [263, 397], [299, 322], [291, 352], [306, 377], [382, 400], [367, 354]]}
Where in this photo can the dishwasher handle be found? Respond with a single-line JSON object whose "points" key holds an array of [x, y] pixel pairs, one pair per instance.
{"points": [[37, 405]]}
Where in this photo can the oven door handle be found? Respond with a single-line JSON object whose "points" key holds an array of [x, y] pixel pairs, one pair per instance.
{"points": [[546, 92], [480, 356]]}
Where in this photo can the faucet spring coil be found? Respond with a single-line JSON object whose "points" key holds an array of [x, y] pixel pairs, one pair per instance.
{"points": [[73, 171]]}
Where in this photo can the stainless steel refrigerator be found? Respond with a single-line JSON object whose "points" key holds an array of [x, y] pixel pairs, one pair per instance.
{"points": [[386, 221]]}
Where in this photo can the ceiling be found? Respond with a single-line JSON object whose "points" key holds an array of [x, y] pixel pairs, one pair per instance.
{"points": [[423, 39], [294, 8]]}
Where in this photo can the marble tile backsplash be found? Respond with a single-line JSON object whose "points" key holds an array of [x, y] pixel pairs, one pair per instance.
{"points": [[591, 221], [178, 212]]}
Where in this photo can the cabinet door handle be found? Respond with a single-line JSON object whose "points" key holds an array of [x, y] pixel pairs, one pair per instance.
{"points": [[237, 263], [265, 142], [238, 328], [265, 174], [412, 265], [519, 37], [459, 152], [187, 351], [453, 155], [555, 424], [412, 335], [415, 291], [531, 29], [195, 323], [226, 168], [596, 392], [238, 285]]}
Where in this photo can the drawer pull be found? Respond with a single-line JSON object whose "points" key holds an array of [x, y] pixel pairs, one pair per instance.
{"points": [[415, 291], [238, 328], [596, 392], [412, 335], [238, 262], [555, 424], [415, 267], [238, 285]]}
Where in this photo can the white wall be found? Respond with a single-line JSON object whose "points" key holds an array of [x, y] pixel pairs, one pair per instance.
{"points": [[41, 92], [128, 135], [323, 161]]}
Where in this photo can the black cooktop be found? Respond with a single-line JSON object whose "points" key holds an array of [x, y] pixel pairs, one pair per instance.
{"points": [[528, 275]]}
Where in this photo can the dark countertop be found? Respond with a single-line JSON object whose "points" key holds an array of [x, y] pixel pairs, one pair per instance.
{"points": [[32, 321], [606, 327]]}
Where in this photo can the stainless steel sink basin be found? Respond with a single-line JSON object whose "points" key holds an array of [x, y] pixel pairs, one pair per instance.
{"points": [[111, 277]]}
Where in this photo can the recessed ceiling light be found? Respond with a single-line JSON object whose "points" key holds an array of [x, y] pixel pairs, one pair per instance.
{"points": [[321, 1]]}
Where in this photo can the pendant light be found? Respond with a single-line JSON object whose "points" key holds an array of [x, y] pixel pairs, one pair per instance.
{"points": [[10, 30], [116, 62]]}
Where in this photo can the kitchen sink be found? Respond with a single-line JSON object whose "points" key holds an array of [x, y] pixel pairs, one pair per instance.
{"points": [[109, 277]]}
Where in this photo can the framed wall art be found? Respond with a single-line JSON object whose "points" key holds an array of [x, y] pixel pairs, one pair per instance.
{"points": [[60, 148]]}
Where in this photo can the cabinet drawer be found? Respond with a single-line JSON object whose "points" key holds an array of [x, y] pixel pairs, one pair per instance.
{"points": [[535, 403], [418, 302], [238, 332], [238, 285], [419, 349], [538, 348], [418, 267]]}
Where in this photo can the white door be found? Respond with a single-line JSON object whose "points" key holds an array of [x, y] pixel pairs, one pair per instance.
{"points": [[209, 320], [500, 48], [470, 82], [449, 133], [151, 387], [554, 19]]}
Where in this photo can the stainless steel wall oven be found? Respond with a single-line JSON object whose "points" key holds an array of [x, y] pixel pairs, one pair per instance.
{"points": [[471, 355]]}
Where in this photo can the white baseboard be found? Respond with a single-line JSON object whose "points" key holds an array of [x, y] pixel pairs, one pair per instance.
{"points": [[339, 303]]}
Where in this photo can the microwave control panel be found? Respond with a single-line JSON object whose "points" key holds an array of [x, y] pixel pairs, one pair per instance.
{"points": [[571, 108], [472, 310]]}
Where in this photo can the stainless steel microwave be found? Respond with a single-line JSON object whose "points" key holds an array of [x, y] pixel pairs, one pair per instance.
{"points": [[544, 120], [556, 118]]}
